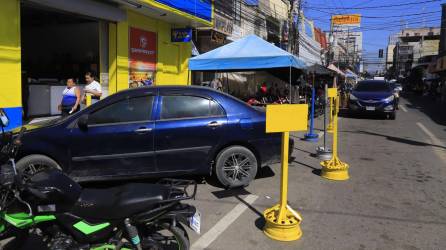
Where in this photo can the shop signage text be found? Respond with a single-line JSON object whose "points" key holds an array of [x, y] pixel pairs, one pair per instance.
{"points": [[346, 19], [181, 35], [223, 24]]}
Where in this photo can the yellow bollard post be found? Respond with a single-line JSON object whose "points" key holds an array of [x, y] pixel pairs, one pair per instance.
{"points": [[282, 222], [335, 169], [330, 120], [88, 100]]}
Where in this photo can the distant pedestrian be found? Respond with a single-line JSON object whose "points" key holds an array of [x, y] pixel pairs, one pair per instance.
{"points": [[93, 88], [216, 84], [71, 97]]}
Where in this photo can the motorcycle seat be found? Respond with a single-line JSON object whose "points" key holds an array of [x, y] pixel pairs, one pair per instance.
{"points": [[119, 202]]}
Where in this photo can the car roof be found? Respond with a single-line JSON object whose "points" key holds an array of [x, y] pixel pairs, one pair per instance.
{"points": [[372, 81], [138, 90]]}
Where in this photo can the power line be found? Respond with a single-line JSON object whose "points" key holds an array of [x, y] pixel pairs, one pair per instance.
{"points": [[375, 7]]}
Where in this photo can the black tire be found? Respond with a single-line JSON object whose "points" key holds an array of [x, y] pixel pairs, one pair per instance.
{"points": [[178, 232], [392, 116], [19, 240], [236, 166], [31, 164]]}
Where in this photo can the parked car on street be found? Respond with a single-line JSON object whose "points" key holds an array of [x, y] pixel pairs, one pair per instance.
{"points": [[155, 132], [373, 96]]}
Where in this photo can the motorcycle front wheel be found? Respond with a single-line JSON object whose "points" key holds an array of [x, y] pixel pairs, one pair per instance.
{"points": [[164, 237]]}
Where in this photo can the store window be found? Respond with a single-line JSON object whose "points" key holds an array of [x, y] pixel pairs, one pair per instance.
{"points": [[57, 45], [127, 110]]}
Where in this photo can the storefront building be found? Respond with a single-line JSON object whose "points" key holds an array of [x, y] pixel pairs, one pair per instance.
{"points": [[45, 42]]}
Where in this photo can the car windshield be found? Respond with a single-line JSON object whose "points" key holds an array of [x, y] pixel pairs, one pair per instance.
{"points": [[373, 86]]}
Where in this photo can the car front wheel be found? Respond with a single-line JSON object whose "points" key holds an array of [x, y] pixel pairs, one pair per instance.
{"points": [[236, 166], [392, 116], [32, 164]]}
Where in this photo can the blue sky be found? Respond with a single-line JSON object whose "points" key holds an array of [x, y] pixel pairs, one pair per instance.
{"points": [[377, 30]]}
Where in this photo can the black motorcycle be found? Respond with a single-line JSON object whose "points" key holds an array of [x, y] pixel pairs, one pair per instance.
{"points": [[67, 216]]}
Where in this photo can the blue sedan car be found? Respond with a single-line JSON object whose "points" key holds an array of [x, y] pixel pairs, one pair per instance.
{"points": [[373, 96], [155, 132]]}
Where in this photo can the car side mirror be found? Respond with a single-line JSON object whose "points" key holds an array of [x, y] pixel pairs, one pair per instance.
{"points": [[4, 120], [82, 122]]}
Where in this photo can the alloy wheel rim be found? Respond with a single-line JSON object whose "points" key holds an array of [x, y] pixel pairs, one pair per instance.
{"points": [[32, 169], [237, 167]]}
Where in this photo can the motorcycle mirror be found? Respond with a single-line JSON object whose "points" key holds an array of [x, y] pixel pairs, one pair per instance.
{"points": [[82, 122], [4, 120]]}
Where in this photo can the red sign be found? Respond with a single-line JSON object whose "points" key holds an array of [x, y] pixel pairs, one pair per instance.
{"points": [[142, 56]]}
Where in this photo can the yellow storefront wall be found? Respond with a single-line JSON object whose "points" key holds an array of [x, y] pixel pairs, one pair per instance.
{"points": [[10, 61], [172, 58]]}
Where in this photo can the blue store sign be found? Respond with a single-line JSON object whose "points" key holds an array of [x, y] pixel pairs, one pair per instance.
{"points": [[181, 35], [199, 8]]}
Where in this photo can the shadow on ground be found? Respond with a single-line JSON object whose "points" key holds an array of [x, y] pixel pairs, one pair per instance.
{"points": [[428, 106], [396, 139]]}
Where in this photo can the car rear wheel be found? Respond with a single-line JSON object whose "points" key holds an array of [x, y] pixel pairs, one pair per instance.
{"points": [[236, 166], [32, 164]]}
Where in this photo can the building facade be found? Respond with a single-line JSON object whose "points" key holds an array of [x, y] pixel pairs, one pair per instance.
{"points": [[42, 43], [414, 46]]}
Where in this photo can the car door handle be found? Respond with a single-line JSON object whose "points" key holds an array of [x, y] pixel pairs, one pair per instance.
{"points": [[143, 130], [214, 124]]}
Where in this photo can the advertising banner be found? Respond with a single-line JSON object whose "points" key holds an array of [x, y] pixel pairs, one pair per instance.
{"points": [[142, 57], [198, 8], [346, 19]]}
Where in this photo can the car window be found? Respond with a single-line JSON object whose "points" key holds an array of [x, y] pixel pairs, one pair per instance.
{"points": [[371, 86], [127, 110], [182, 106]]}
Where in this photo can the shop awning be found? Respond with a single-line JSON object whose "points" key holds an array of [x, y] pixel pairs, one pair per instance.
{"points": [[320, 70], [335, 69], [246, 54]]}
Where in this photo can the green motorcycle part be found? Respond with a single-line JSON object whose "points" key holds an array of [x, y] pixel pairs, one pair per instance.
{"points": [[108, 247], [23, 220], [87, 228]]}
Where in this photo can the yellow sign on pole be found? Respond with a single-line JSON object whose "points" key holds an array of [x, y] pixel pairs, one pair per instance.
{"points": [[286, 118], [282, 222]]}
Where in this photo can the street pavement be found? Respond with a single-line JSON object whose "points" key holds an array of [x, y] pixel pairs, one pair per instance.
{"points": [[395, 198]]}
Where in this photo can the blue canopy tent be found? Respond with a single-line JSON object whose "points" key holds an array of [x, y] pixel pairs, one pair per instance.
{"points": [[250, 53]]}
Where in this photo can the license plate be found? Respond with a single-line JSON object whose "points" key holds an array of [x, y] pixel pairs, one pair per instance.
{"points": [[370, 108], [195, 222]]}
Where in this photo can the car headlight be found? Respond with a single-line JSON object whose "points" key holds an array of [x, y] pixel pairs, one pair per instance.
{"points": [[353, 98], [389, 99]]}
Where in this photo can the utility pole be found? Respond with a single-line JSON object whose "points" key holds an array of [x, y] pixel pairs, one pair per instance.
{"points": [[348, 46], [297, 40], [330, 42], [290, 27]]}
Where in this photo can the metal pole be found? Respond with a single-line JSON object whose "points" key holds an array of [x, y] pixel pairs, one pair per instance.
{"points": [[335, 128], [290, 85], [284, 177], [324, 152], [325, 116], [311, 136]]}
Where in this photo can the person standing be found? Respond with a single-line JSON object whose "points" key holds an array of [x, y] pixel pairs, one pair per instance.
{"points": [[71, 97], [93, 88]]}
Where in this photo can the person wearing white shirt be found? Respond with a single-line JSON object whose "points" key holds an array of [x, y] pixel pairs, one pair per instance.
{"points": [[93, 88]]}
